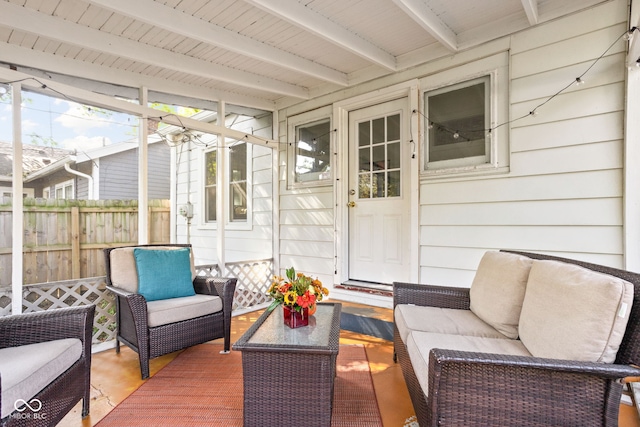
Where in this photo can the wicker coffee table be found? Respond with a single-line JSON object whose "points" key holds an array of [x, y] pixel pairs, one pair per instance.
{"points": [[288, 373]]}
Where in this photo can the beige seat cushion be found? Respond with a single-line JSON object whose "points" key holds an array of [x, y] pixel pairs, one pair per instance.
{"points": [[27, 369], [124, 273], [570, 312], [498, 289], [420, 343], [441, 320], [166, 311]]}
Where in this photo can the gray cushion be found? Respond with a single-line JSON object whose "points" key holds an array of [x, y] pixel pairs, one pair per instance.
{"points": [[163, 312], [498, 290], [124, 274], [420, 343], [27, 369], [441, 320], [574, 313]]}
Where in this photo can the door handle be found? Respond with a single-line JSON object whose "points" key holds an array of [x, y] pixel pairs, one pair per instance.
{"points": [[351, 204]]}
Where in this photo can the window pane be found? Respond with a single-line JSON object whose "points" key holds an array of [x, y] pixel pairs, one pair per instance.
{"points": [[378, 130], [210, 185], [210, 204], [393, 127], [365, 159], [393, 154], [378, 184], [313, 152], [393, 184], [364, 185], [378, 158], [457, 122], [364, 134], [238, 182], [238, 201]]}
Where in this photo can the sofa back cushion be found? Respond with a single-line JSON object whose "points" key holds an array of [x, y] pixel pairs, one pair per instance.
{"points": [[571, 312], [124, 273], [498, 290]]}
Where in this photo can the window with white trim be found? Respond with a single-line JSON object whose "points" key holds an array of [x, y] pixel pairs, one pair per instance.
{"points": [[464, 109], [65, 190], [239, 169], [458, 120], [309, 149]]}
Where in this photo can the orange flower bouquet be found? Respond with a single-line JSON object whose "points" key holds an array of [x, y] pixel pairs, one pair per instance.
{"points": [[298, 293]]}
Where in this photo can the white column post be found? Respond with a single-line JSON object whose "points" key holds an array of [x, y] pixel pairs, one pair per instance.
{"points": [[221, 190], [143, 168], [17, 204]]}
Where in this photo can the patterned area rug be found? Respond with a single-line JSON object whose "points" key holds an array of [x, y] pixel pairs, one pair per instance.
{"points": [[204, 388]]}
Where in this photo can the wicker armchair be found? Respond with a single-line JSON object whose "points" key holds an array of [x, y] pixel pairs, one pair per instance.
{"points": [[73, 385], [479, 389], [154, 341]]}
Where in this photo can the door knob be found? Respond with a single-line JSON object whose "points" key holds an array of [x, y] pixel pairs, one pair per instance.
{"points": [[351, 204]]}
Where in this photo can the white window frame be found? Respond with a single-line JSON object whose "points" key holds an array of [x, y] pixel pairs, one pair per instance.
{"points": [[497, 146], [63, 186], [294, 122], [229, 225]]}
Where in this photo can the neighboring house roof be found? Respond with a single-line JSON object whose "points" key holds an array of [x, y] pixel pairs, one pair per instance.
{"points": [[34, 157]]}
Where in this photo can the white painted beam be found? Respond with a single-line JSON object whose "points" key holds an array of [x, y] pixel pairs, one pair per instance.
{"points": [[143, 172], [420, 12], [178, 22], [33, 22], [305, 18], [531, 9], [13, 54]]}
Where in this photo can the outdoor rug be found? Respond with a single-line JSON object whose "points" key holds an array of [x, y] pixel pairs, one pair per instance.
{"points": [[201, 387]]}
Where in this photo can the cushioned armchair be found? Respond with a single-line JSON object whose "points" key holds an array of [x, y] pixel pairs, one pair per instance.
{"points": [[45, 365], [161, 305], [557, 356]]}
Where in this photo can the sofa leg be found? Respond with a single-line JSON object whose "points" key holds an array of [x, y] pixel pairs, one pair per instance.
{"points": [[144, 368], [85, 407]]}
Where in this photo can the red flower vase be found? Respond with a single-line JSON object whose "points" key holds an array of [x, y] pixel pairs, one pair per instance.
{"points": [[294, 319]]}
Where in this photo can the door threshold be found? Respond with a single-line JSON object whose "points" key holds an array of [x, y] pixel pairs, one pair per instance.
{"points": [[367, 287]]}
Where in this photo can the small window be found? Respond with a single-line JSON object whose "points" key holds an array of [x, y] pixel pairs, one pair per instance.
{"points": [[65, 190], [238, 171], [312, 148], [457, 123]]}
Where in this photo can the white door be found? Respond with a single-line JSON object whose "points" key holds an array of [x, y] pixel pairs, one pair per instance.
{"points": [[379, 205]]}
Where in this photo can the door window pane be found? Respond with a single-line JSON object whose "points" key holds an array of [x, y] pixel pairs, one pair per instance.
{"points": [[238, 182], [378, 131]]}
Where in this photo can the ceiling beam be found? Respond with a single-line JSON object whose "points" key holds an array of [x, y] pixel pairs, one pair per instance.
{"points": [[429, 21], [165, 17], [46, 62], [531, 9], [33, 22], [307, 19]]}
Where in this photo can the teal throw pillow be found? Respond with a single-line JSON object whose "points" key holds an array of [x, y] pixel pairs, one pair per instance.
{"points": [[164, 273]]}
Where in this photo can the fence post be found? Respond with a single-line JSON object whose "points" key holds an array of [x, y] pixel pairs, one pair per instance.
{"points": [[75, 242]]}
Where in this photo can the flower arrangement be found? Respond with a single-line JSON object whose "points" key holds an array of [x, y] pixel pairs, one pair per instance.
{"points": [[297, 292]]}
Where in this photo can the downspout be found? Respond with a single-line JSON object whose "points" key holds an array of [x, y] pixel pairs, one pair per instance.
{"points": [[83, 175]]}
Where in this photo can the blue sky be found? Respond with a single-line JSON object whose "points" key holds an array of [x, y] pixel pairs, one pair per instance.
{"points": [[66, 123]]}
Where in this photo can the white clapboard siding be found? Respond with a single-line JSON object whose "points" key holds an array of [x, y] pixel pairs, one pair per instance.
{"points": [[562, 192]]}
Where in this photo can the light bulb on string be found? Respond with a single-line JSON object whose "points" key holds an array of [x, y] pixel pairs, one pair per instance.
{"points": [[579, 81], [430, 125], [456, 135]]}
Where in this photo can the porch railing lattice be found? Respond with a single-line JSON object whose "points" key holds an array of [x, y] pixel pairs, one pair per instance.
{"points": [[253, 280]]}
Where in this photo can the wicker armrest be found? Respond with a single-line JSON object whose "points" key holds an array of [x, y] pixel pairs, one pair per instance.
{"points": [[467, 383], [224, 287], [119, 291], [31, 328], [431, 295]]}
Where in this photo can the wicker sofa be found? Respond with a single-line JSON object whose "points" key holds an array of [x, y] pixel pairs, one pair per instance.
{"points": [[536, 341], [45, 364], [166, 323]]}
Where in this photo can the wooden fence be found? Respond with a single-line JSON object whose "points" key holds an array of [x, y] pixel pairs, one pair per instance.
{"points": [[63, 239]]}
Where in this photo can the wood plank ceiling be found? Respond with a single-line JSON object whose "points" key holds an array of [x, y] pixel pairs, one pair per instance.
{"points": [[258, 53]]}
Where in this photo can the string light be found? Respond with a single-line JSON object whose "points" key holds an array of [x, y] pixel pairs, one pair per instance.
{"points": [[579, 81]]}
